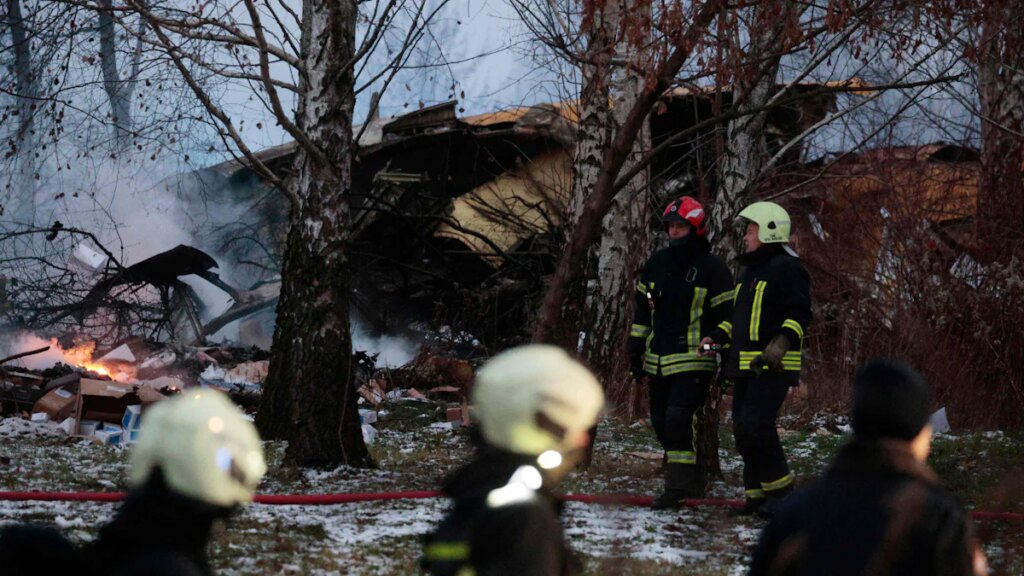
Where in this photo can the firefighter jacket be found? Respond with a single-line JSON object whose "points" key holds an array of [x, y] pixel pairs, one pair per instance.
{"points": [[772, 296], [157, 532], [876, 511], [683, 292], [497, 526]]}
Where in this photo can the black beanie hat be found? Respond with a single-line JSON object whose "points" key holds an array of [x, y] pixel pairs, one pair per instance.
{"points": [[890, 400]]}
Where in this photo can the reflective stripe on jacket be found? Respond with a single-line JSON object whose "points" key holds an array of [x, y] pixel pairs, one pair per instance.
{"points": [[682, 294], [771, 298]]}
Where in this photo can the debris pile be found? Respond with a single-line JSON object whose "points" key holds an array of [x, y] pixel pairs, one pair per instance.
{"points": [[430, 378], [103, 394]]}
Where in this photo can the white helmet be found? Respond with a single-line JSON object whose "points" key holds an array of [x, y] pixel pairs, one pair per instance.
{"points": [[536, 398], [204, 446]]}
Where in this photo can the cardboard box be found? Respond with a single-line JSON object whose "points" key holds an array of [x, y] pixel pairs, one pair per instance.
{"points": [[130, 437], [88, 427], [107, 401], [132, 417], [58, 404], [104, 400], [110, 437]]}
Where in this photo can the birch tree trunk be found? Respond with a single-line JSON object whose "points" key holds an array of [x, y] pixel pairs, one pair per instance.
{"points": [[21, 183], [586, 229], [1001, 90], [624, 241], [593, 136], [745, 152], [309, 397]]}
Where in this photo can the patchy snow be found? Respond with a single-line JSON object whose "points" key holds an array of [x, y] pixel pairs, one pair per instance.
{"points": [[604, 531], [383, 538], [16, 427]]}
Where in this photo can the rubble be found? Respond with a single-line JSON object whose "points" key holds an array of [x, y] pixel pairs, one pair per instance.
{"points": [[103, 393]]}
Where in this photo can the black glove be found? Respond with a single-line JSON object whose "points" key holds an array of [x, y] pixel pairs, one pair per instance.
{"points": [[772, 355]]}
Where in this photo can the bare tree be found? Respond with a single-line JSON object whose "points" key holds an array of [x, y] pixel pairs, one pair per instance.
{"points": [[679, 43], [26, 96], [1001, 90], [310, 57]]}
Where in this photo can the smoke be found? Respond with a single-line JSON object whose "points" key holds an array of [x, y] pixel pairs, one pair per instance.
{"points": [[24, 342], [394, 350], [17, 343]]}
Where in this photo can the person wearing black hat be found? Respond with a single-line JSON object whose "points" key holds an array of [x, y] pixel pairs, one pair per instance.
{"points": [[878, 510]]}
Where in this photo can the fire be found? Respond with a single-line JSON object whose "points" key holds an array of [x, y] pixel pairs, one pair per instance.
{"points": [[81, 355]]}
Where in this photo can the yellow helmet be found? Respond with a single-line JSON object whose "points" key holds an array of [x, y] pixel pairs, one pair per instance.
{"points": [[772, 221], [204, 445], [536, 398]]}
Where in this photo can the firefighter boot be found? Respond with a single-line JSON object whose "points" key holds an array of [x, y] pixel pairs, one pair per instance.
{"points": [[678, 486], [751, 507], [774, 501]]}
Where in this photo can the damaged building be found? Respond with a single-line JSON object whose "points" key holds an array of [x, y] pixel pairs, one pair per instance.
{"points": [[456, 220]]}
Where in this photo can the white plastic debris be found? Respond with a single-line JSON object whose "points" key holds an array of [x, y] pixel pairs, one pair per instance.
{"points": [[121, 354], [87, 259], [369, 434], [367, 416], [160, 360], [939, 422], [40, 417], [68, 425]]}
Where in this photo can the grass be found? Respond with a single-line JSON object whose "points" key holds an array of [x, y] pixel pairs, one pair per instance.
{"points": [[384, 538]]}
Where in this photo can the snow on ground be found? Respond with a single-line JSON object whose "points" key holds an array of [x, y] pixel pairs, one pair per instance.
{"points": [[13, 428], [594, 531], [383, 538]]}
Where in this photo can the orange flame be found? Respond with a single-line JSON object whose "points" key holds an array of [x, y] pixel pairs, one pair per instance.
{"points": [[81, 355]]}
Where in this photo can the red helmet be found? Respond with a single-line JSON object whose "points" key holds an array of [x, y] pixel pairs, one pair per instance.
{"points": [[686, 209]]}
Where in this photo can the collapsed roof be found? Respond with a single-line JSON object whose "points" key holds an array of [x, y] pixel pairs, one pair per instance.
{"points": [[440, 201]]}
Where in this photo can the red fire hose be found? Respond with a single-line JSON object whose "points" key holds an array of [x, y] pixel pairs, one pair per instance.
{"points": [[324, 499]]}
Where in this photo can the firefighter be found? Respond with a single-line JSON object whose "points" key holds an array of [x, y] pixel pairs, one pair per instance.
{"points": [[683, 292], [878, 509], [197, 460], [771, 311], [535, 405]]}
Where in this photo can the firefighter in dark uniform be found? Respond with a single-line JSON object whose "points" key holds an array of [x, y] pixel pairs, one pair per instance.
{"points": [[771, 311], [878, 509], [535, 406], [197, 461], [682, 294]]}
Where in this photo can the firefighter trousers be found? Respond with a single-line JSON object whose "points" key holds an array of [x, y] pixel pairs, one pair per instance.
{"points": [[675, 401], [756, 402]]}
